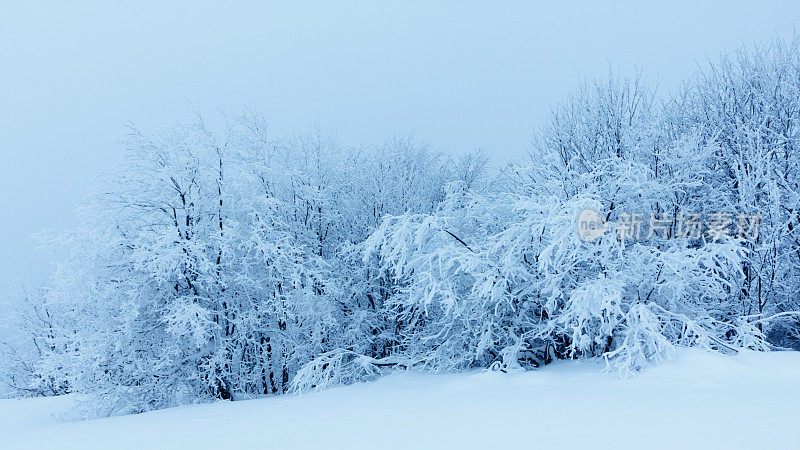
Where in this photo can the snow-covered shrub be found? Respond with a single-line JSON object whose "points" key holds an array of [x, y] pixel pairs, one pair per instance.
{"points": [[643, 341], [336, 368]]}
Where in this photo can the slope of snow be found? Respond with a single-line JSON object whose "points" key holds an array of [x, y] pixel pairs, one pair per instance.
{"points": [[700, 400]]}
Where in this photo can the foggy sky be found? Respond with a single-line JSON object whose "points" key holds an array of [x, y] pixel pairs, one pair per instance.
{"points": [[459, 75]]}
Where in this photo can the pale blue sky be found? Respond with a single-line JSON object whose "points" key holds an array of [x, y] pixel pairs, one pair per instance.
{"points": [[458, 74]]}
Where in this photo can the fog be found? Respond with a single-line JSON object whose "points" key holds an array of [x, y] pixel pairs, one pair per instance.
{"points": [[459, 75]]}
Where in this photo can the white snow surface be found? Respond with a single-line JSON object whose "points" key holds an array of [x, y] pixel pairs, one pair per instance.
{"points": [[698, 400]]}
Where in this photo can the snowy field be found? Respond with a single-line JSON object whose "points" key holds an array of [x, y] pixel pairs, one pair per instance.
{"points": [[700, 400]]}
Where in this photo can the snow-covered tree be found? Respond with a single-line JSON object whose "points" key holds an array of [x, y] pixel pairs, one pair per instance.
{"points": [[213, 265], [749, 103], [35, 325]]}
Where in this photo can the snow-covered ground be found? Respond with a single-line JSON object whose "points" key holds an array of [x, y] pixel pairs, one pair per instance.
{"points": [[700, 400]]}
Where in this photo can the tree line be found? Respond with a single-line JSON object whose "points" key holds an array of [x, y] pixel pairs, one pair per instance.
{"points": [[223, 264]]}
